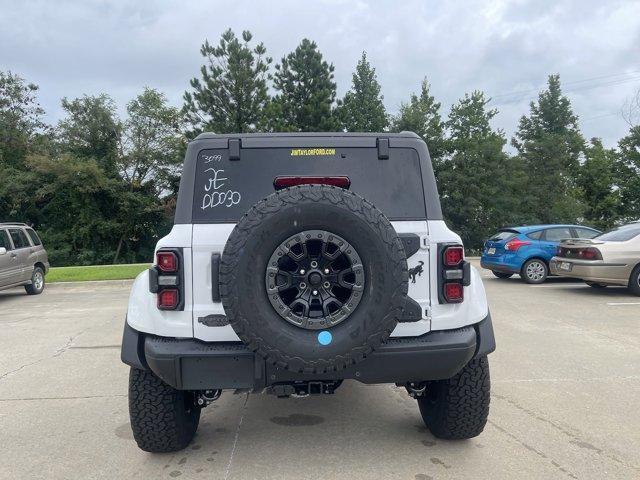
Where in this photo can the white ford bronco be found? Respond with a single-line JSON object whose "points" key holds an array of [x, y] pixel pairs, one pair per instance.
{"points": [[297, 261]]}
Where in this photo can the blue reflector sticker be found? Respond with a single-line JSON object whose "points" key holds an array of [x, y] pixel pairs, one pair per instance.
{"points": [[324, 338]]}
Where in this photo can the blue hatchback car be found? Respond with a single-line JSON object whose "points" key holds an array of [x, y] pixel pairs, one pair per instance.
{"points": [[527, 250]]}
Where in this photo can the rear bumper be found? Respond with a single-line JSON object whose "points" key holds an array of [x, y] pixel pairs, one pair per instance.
{"points": [[189, 364], [592, 270], [497, 264]]}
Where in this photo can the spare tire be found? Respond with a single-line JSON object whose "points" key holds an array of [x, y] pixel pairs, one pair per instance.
{"points": [[313, 278]]}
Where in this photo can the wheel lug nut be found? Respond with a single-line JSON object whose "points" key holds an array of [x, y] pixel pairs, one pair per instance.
{"points": [[302, 270], [326, 271], [315, 292]]}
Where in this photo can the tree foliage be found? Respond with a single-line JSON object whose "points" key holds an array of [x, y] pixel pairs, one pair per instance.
{"points": [[629, 168], [422, 116], [305, 90], [152, 141], [362, 108], [91, 129], [102, 189], [232, 94], [598, 181], [550, 144], [20, 119], [478, 191]]}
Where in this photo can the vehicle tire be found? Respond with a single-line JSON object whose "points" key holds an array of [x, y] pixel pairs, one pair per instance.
{"points": [[634, 281], [37, 282], [301, 223], [163, 419], [534, 271], [501, 274], [596, 285], [457, 408]]}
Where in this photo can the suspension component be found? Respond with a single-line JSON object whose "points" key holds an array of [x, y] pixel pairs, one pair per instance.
{"points": [[207, 397], [416, 389]]}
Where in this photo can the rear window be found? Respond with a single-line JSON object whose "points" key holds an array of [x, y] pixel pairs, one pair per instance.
{"points": [[557, 234], [502, 235], [20, 240], [35, 239], [225, 189], [621, 234], [586, 233]]}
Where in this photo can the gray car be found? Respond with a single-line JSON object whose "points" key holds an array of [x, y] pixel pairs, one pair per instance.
{"points": [[23, 259]]}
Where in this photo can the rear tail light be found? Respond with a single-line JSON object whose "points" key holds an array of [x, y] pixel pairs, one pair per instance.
{"points": [[284, 182], [166, 279], [454, 273], [453, 256], [590, 254], [453, 292], [168, 299], [167, 261], [515, 244]]}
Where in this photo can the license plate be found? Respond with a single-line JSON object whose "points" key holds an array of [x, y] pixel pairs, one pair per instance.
{"points": [[491, 251], [565, 266]]}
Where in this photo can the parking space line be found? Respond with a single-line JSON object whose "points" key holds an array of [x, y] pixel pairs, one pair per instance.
{"points": [[565, 285], [615, 304]]}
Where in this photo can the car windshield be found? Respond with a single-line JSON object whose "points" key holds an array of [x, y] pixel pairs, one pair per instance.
{"points": [[502, 235], [621, 234]]}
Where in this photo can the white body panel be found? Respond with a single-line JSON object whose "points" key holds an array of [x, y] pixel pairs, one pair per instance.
{"points": [[143, 314], [200, 241]]}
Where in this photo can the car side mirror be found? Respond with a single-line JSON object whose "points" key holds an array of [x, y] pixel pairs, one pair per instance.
{"points": [[3, 251]]}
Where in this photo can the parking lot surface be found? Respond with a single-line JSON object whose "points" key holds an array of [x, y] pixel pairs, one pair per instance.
{"points": [[565, 400]]}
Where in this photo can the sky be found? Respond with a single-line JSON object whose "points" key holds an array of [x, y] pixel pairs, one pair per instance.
{"points": [[505, 48]]}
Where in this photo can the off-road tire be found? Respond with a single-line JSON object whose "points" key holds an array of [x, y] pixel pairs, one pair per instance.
{"points": [[286, 213], [634, 281], [527, 278], [458, 408], [163, 419], [502, 274], [32, 289]]}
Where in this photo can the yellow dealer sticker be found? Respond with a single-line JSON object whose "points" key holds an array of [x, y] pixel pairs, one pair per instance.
{"points": [[314, 152]]}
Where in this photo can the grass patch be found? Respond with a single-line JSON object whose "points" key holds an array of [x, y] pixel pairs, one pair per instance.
{"points": [[95, 272]]}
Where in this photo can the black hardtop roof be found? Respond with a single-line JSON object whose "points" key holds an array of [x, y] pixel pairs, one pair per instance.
{"points": [[404, 134]]}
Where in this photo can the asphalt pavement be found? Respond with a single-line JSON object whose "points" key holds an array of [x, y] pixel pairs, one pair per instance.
{"points": [[565, 400]]}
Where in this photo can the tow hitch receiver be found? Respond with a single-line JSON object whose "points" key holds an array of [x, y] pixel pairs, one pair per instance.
{"points": [[303, 389]]}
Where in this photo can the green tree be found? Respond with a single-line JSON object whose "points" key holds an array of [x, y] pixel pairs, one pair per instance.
{"points": [[152, 143], [20, 119], [362, 109], [477, 180], [91, 129], [598, 182], [550, 144], [149, 160], [630, 174], [306, 92], [422, 116], [232, 94]]}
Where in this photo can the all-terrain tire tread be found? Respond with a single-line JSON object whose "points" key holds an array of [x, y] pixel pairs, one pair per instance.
{"points": [[274, 203], [159, 420], [458, 408]]}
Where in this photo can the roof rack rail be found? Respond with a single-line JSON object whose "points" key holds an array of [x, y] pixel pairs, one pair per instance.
{"points": [[13, 223]]}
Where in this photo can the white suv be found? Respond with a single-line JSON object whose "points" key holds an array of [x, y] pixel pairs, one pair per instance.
{"points": [[297, 261]]}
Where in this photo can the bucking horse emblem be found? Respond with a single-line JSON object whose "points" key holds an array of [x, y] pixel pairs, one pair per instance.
{"points": [[416, 271]]}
